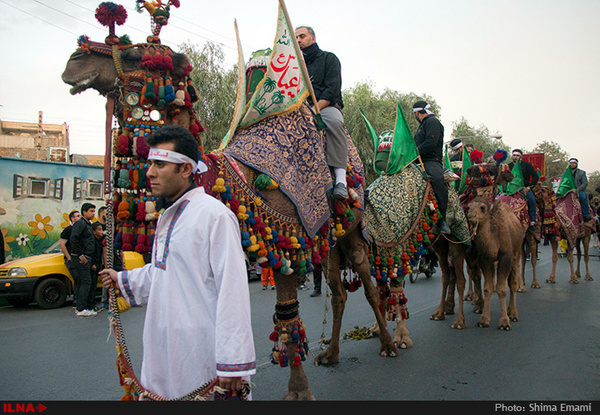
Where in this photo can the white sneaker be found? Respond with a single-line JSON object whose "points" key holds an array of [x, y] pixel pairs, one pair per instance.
{"points": [[86, 313]]}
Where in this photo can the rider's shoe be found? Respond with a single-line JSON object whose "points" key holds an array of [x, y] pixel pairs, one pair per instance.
{"points": [[441, 227], [340, 192]]}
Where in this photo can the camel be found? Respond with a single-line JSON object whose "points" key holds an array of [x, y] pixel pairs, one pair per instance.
{"points": [[531, 240], [570, 225], [101, 67], [497, 239]]}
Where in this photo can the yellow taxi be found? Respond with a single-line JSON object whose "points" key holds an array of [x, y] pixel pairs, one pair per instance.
{"points": [[45, 279]]}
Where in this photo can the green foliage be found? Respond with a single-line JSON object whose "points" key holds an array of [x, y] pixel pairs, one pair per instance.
{"points": [[556, 159], [217, 90], [380, 108], [479, 137]]}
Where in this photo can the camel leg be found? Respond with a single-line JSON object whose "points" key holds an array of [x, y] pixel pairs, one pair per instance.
{"points": [[338, 302], [459, 322], [475, 277], [356, 250], [513, 314], [442, 252], [573, 279], [521, 277], [505, 267], [401, 338], [298, 385], [533, 245], [552, 278], [488, 288], [449, 306], [586, 257]]}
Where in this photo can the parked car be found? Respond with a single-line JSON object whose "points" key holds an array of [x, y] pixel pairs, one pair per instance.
{"points": [[45, 279]]}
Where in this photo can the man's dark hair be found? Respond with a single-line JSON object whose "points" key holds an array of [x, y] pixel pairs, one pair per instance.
{"points": [[308, 28], [73, 212], [96, 225], [87, 206], [101, 209], [184, 141], [420, 104]]}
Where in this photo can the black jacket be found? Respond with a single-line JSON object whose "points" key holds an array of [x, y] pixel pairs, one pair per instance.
{"points": [[82, 238], [530, 176], [325, 71], [429, 139]]}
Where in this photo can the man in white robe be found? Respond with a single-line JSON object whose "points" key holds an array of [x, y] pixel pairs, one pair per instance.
{"points": [[198, 324]]}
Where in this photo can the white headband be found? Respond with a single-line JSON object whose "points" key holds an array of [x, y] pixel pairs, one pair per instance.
{"points": [[426, 109], [175, 157], [456, 147]]}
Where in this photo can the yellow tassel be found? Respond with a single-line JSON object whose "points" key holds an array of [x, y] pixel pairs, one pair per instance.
{"points": [[122, 304]]}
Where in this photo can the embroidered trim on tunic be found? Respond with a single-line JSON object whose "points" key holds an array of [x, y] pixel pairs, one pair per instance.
{"points": [[162, 264], [239, 367], [125, 280]]}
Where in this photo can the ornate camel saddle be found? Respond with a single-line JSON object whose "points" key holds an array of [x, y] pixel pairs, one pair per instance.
{"points": [[290, 150]]}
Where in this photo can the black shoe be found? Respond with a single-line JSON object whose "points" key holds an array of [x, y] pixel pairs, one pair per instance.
{"points": [[315, 293], [340, 192], [441, 227]]}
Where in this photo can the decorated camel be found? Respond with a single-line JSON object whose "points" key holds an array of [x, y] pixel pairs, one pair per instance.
{"points": [[571, 227], [261, 173], [399, 215], [497, 239]]}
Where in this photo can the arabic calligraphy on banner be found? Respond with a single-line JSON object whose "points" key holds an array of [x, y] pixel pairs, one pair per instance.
{"points": [[282, 88]]}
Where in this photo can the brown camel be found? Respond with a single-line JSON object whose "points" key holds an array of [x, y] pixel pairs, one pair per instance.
{"points": [[577, 233], [96, 70], [497, 239]]}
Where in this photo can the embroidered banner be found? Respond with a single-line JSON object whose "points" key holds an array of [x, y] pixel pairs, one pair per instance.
{"points": [[283, 87]]}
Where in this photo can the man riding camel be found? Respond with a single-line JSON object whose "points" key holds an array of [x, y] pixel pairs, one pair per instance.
{"points": [[325, 73], [581, 181], [429, 140]]}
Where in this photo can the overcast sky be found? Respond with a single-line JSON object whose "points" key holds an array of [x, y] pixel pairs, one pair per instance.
{"points": [[526, 69]]}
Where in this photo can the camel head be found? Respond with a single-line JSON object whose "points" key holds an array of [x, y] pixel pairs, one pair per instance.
{"points": [[478, 213], [86, 70], [94, 67]]}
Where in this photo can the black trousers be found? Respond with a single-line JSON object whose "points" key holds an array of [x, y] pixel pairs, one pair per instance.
{"points": [[436, 175]]}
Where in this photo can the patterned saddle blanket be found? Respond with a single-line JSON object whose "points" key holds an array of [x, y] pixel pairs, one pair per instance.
{"points": [[289, 149], [568, 213], [397, 202]]}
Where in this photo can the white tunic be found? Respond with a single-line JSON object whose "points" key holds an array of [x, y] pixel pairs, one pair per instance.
{"points": [[198, 322]]}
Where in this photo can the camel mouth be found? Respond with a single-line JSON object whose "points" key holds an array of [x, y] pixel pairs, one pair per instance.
{"points": [[82, 83], [473, 225]]}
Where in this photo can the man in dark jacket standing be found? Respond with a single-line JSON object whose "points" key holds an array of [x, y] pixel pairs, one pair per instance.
{"points": [[530, 179], [325, 73], [429, 139], [82, 248]]}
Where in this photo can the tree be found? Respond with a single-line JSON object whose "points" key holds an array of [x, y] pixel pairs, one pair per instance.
{"points": [[217, 90], [479, 137], [380, 109], [555, 158]]}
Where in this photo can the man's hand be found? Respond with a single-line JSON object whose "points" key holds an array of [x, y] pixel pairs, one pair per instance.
{"points": [[82, 259], [109, 277], [232, 384]]}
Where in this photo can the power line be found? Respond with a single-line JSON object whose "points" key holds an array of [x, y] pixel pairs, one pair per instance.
{"points": [[36, 17]]}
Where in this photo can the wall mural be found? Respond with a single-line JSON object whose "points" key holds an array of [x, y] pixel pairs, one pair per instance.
{"points": [[36, 198]]}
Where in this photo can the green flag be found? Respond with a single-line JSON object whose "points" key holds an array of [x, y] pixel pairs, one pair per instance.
{"points": [[447, 164], [517, 183], [466, 163], [403, 151], [567, 183]]}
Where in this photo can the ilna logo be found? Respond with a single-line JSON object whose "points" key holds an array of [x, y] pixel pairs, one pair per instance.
{"points": [[15, 408]]}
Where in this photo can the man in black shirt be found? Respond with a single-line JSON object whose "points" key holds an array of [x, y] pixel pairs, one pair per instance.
{"points": [[325, 73], [65, 247], [82, 248], [429, 139]]}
